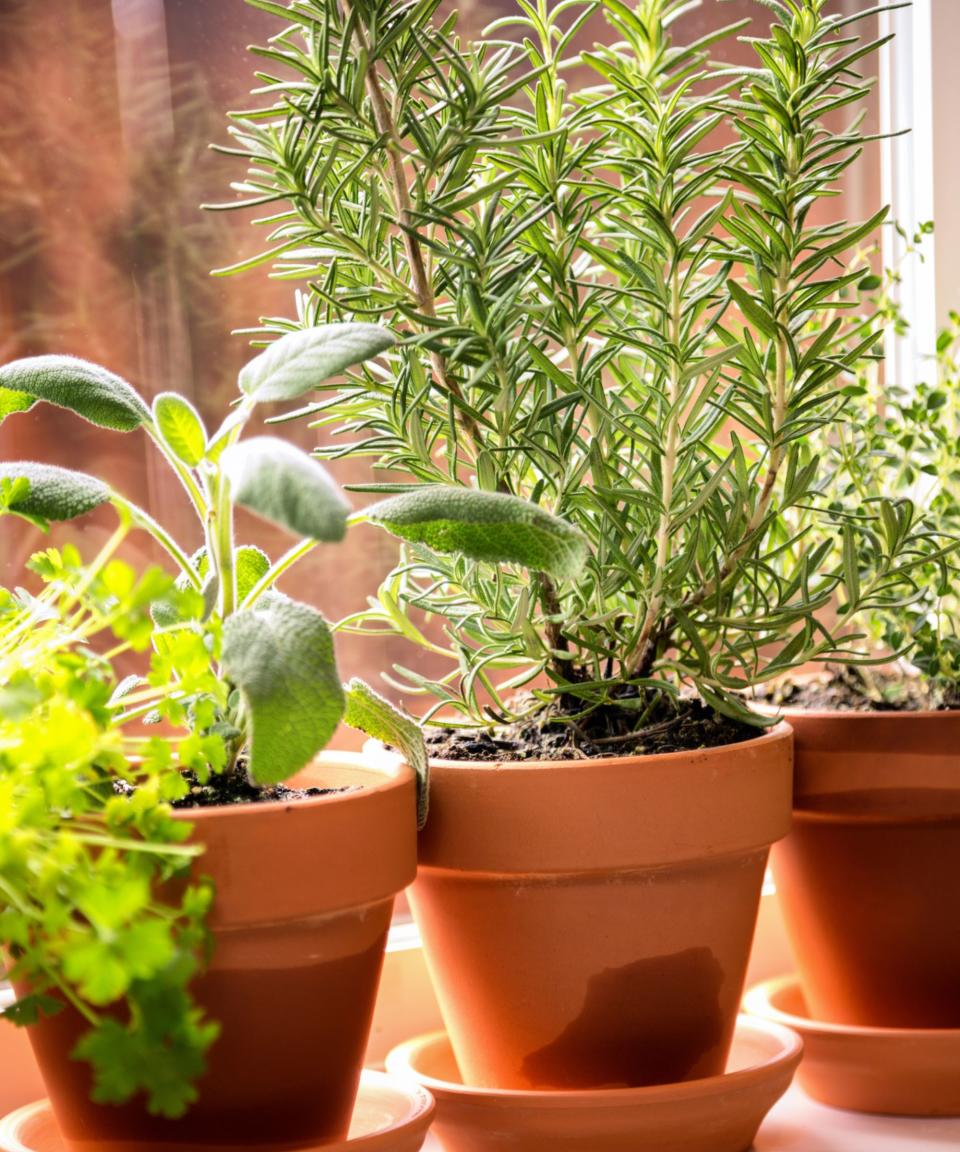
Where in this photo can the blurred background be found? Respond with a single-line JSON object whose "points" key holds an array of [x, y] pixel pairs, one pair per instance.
{"points": [[107, 108]]}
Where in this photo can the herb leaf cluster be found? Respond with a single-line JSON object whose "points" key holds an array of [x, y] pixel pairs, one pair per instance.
{"points": [[892, 469], [611, 305], [82, 867], [270, 658]]}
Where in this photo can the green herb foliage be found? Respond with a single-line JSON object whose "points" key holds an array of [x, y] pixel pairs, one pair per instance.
{"points": [[81, 865], [891, 472], [220, 471], [245, 676], [612, 306]]}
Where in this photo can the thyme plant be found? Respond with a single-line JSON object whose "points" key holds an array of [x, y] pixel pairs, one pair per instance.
{"points": [[900, 451], [611, 305]]}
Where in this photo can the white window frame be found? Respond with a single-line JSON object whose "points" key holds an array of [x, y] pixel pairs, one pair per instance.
{"points": [[908, 180]]}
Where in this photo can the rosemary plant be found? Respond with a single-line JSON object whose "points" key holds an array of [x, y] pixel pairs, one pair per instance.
{"points": [[610, 305]]}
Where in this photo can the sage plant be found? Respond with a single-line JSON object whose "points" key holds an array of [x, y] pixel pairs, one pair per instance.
{"points": [[273, 692]]}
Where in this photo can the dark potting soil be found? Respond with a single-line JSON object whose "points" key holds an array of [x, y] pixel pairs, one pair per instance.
{"points": [[235, 788], [845, 690], [608, 731]]}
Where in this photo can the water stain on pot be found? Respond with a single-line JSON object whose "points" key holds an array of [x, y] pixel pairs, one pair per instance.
{"points": [[654, 1021]]}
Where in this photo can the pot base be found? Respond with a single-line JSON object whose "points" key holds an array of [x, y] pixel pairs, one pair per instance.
{"points": [[893, 1071], [388, 1117], [714, 1114]]}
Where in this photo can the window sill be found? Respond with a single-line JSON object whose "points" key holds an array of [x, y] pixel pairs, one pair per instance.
{"points": [[799, 1124]]}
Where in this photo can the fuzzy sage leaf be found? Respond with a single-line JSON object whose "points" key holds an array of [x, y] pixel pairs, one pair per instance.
{"points": [[279, 655], [368, 712], [99, 396], [286, 486], [252, 564], [301, 361], [50, 493], [489, 526]]}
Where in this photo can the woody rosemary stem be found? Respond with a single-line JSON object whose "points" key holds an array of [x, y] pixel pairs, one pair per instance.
{"points": [[655, 641], [646, 650], [422, 287]]}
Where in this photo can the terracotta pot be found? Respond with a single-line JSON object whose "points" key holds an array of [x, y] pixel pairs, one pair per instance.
{"points": [[407, 1004], [587, 923], [868, 876], [304, 894]]}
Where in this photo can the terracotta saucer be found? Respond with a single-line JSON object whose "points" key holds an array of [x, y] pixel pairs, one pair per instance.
{"points": [[896, 1071], [389, 1116], [719, 1114]]}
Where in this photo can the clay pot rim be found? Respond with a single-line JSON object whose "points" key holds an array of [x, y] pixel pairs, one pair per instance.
{"points": [[769, 736], [394, 771], [534, 817], [760, 1002], [787, 711], [254, 852], [401, 1063]]}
